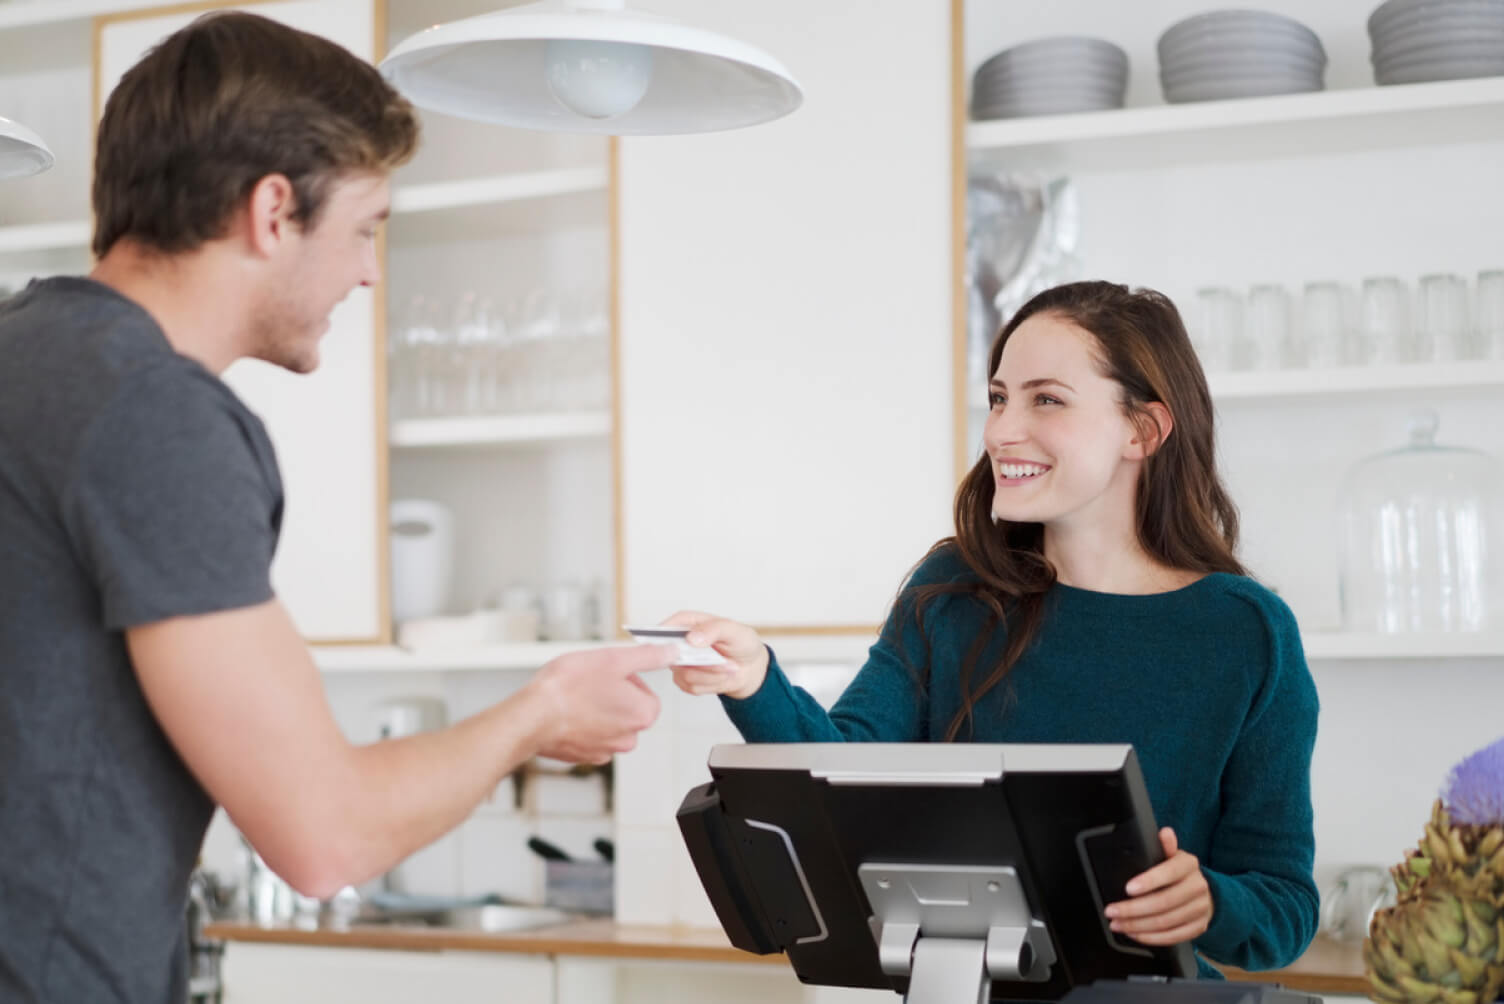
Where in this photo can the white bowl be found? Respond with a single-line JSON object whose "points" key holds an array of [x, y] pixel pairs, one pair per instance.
{"points": [[1470, 47], [1441, 69], [1237, 23]]}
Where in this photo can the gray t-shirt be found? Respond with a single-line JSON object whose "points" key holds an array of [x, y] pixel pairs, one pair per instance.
{"points": [[134, 487]]}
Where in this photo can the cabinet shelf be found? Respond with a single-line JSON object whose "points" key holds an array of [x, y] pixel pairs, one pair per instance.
{"points": [[850, 649], [1346, 381], [1333, 645], [1320, 646], [1356, 380], [444, 210], [24, 237], [499, 430], [26, 13], [1248, 129]]}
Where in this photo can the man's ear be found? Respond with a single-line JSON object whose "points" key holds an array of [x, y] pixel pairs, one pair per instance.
{"points": [[269, 213], [1152, 426]]}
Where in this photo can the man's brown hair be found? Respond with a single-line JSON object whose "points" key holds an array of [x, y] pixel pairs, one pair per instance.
{"points": [[221, 104]]}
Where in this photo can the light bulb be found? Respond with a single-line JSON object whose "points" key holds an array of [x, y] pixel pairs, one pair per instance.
{"points": [[598, 80]]}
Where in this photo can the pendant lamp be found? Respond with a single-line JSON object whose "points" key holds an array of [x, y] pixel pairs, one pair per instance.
{"points": [[590, 66], [22, 151]]}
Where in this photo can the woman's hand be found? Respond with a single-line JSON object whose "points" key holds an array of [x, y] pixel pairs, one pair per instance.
{"points": [[746, 657], [1169, 903]]}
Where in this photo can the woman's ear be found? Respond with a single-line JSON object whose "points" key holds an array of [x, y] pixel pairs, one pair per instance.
{"points": [[1152, 426]]}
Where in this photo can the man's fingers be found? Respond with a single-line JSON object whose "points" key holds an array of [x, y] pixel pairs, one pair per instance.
{"points": [[625, 660], [1168, 842], [688, 618]]}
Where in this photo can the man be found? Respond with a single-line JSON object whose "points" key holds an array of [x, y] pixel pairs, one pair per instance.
{"points": [[147, 672]]}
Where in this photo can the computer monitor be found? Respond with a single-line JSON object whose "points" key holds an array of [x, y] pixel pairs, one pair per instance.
{"points": [[945, 872]]}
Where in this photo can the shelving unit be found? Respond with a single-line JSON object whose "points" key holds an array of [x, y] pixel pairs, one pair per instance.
{"points": [[25, 13], [420, 213], [1322, 122], [847, 649], [1320, 646], [1354, 380], [499, 430]]}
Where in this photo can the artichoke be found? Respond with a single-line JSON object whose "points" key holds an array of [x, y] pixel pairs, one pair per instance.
{"points": [[1443, 941], [1437, 947], [1465, 857]]}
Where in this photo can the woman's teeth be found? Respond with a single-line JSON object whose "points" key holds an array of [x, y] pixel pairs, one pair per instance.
{"points": [[1021, 470]]}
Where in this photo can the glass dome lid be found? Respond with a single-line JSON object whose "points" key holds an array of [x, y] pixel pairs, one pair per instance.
{"points": [[1422, 537]]}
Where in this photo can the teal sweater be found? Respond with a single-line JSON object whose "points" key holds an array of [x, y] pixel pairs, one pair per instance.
{"points": [[1209, 683]]}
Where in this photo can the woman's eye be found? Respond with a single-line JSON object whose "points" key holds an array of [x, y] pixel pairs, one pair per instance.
{"points": [[996, 400], [1047, 399]]}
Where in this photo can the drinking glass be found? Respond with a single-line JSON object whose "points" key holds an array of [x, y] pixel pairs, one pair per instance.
{"points": [[1218, 330], [1268, 327], [1441, 324], [1323, 325], [1384, 334], [1490, 299]]}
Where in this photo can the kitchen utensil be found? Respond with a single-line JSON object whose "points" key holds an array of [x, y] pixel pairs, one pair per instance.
{"points": [[407, 716], [547, 851], [422, 541], [1349, 905]]}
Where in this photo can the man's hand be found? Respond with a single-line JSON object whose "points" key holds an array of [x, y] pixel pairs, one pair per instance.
{"points": [[1169, 903], [595, 702]]}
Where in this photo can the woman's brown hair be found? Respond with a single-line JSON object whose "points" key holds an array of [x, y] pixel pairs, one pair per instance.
{"points": [[1185, 518], [221, 104]]}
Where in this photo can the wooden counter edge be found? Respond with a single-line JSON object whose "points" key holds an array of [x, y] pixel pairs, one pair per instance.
{"points": [[1327, 967]]}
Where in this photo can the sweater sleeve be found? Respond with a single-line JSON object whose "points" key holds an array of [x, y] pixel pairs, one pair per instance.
{"points": [[1258, 864], [885, 703]]}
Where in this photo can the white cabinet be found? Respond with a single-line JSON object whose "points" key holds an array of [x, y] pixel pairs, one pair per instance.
{"points": [[496, 212], [282, 974], [1338, 185], [784, 328]]}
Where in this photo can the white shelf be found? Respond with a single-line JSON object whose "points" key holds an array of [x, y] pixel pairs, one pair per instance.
{"points": [[791, 649], [421, 213], [478, 208], [499, 430], [1321, 645], [1323, 122], [499, 188], [1346, 381], [25, 13], [25, 237], [1356, 379]]}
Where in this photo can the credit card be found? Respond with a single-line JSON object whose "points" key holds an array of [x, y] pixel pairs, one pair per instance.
{"points": [[689, 655]]}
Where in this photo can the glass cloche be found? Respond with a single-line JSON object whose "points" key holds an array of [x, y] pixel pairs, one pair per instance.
{"points": [[1421, 532]]}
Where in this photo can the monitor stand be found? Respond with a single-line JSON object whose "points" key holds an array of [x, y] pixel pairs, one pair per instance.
{"points": [[953, 929]]}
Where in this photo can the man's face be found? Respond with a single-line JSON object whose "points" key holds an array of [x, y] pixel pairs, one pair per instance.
{"points": [[317, 269]]}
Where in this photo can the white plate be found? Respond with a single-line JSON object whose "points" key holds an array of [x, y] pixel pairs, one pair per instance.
{"points": [[1393, 13], [1471, 45], [1273, 28], [1237, 87], [1243, 62], [1078, 47], [1453, 69]]}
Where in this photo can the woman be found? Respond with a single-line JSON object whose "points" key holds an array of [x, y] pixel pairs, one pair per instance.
{"points": [[1091, 594]]}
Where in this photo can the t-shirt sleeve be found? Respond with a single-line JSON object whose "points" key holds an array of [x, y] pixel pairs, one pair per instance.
{"points": [[174, 501]]}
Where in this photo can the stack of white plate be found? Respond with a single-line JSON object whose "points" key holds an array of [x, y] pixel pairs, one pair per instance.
{"points": [[1050, 76], [1416, 40], [1238, 54]]}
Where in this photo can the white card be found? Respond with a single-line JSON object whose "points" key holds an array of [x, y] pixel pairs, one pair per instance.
{"points": [[689, 655]]}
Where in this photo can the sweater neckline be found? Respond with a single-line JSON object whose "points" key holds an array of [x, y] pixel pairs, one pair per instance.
{"points": [[1136, 604]]}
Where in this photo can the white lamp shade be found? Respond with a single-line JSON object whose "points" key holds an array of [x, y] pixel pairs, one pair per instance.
{"points": [[22, 151], [495, 67]]}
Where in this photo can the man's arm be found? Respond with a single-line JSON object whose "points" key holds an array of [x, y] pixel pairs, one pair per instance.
{"points": [[243, 704]]}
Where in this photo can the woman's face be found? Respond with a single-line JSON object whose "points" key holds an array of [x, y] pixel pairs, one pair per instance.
{"points": [[1062, 450]]}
